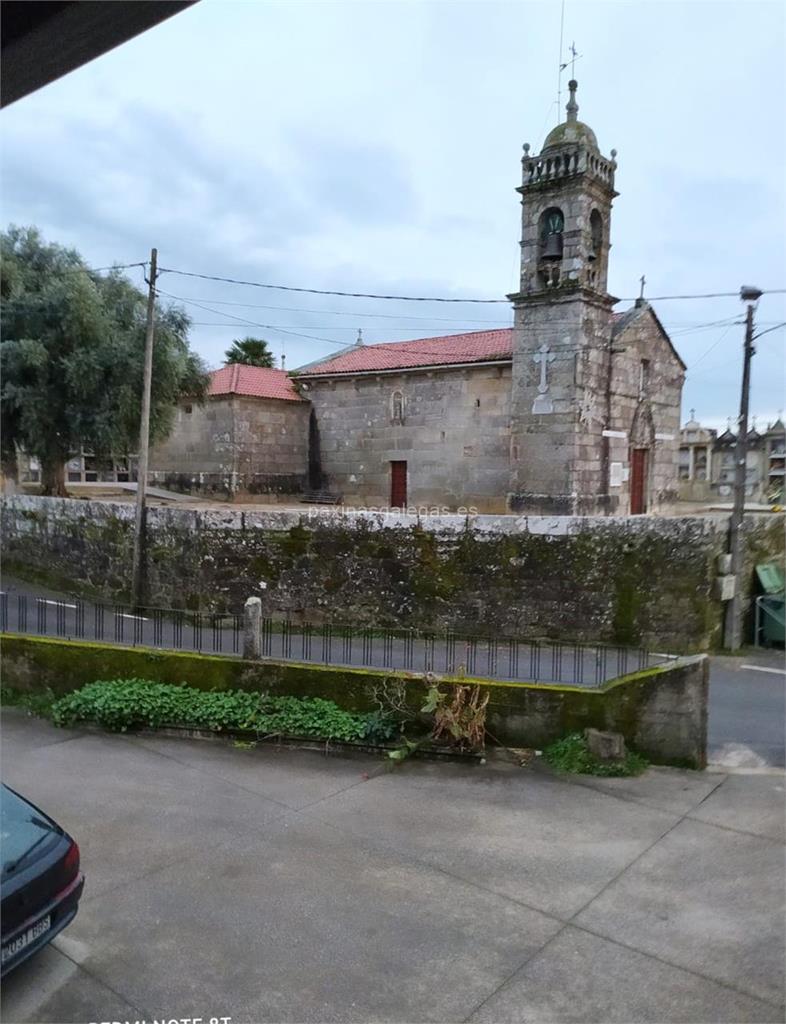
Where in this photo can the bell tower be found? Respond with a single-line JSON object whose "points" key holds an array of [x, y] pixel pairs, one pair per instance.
{"points": [[562, 324]]}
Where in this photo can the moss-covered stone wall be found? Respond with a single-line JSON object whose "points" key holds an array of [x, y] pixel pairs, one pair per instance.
{"points": [[625, 580], [661, 712]]}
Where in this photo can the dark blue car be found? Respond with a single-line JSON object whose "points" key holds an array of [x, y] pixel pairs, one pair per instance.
{"points": [[40, 883]]}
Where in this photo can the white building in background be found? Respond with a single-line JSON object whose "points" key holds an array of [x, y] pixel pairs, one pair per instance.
{"points": [[707, 463]]}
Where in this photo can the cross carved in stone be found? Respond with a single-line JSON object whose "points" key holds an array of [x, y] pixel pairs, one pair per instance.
{"points": [[544, 357]]}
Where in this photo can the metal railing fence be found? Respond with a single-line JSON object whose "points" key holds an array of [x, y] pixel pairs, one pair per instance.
{"points": [[409, 650]]}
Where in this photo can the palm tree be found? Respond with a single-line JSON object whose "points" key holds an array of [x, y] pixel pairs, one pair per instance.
{"points": [[251, 351]]}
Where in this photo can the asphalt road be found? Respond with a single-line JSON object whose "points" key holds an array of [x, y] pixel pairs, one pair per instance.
{"points": [[289, 886], [747, 719]]}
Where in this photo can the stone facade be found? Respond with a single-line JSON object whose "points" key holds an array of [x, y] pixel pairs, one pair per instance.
{"points": [[234, 446], [449, 425], [647, 378], [596, 398], [590, 422], [574, 410], [615, 579]]}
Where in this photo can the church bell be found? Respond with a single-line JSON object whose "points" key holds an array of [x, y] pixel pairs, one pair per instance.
{"points": [[552, 250]]}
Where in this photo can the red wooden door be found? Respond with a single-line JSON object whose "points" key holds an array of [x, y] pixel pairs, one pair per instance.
{"points": [[638, 481], [398, 484]]}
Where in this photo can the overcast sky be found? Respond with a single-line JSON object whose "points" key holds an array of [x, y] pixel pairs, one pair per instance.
{"points": [[376, 147]]}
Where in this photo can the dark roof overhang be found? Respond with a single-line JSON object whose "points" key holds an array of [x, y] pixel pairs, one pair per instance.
{"points": [[42, 41]]}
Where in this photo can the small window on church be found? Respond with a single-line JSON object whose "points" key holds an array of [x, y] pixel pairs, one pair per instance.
{"points": [[397, 407], [596, 235], [644, 377], [186, 409]]}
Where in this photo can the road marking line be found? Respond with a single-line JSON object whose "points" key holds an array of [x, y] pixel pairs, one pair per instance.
{"points": [[760, 668], [140, 618], [61, 604]]}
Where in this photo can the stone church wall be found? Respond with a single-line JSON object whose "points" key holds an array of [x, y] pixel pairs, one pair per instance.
{"points": [[453, 435], [558, 456], [642, 340], [234, 446], [624, 580], [556, 436]]}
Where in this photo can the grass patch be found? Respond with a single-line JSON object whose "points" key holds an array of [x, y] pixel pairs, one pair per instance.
{"points": [[572, 755], [121, 704]]}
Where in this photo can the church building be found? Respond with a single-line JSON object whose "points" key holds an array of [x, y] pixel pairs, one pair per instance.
{"points": [[573, 410]]}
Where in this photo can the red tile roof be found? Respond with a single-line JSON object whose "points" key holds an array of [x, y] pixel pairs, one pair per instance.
{"points": [[257, 381], [475, 347], [455, 349]]}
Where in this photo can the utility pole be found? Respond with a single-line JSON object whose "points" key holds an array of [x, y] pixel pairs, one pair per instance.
{"points": [[732, 626], [138, 569]]}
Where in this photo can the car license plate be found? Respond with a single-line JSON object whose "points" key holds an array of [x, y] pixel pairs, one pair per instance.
{"points": [[35, 931]]}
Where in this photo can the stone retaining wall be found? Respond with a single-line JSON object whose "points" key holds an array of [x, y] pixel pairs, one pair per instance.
{"points": [[625, 580], [661, 712]]}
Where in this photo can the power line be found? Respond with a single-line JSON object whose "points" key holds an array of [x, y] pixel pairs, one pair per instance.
{"points": [[681, 326], [702, 328], [432, 353], [720, 339], [324, 291], [446, 331], [713, 346], [101, 270], [775, 328], [349, 312], [428, 298], [253, 323]]}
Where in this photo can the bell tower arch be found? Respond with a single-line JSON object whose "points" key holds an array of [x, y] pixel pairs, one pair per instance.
{"points": [[562, 323]]}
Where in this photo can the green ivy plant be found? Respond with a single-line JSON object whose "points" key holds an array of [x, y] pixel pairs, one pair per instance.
{"points": [[121, 704], [571, 754]]}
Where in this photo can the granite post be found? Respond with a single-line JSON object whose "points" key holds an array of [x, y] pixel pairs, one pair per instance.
{"points": [[252, 635]]}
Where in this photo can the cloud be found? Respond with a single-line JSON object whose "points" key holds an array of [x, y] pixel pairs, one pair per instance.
{"points": [[376, 148]]}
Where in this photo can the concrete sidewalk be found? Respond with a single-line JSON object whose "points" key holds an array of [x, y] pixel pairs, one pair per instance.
{"points": [[280, 885]]}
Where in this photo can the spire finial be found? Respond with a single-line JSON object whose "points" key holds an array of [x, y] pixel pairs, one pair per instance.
{"points": [[693, 414], [640, 301], [572, 106], [360, 336]]}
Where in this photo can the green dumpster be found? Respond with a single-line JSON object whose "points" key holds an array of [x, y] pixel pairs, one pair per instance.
{"points": [[770, 618]]}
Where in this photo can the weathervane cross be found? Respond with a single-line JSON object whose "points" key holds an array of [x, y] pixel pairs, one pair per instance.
{"points": [[642, 281]]}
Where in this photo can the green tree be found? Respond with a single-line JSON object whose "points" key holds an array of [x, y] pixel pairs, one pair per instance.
{"points": [[251, 351], [72, 357]]}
